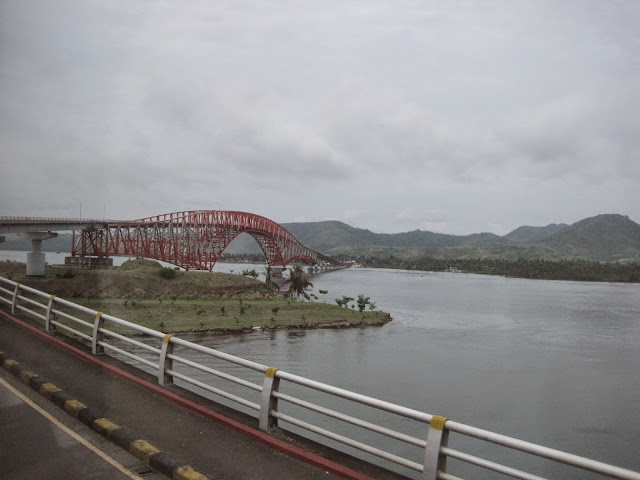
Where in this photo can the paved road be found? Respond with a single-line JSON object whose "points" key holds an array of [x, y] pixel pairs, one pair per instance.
{"points": [[38, 442], [210, 448]]}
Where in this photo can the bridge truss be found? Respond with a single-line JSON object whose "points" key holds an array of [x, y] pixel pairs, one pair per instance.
{"points": [[193, 240]]}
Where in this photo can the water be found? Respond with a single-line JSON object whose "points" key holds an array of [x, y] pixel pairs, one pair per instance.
{"points": [[550, 362], [555, 363], [57, 258]]}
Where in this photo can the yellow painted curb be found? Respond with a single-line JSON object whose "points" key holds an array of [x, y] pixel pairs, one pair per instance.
{"points": [[143, 450], [187, 473], [73, 407], [26, 375], [102, 425], [47, 389], [9, 363]]}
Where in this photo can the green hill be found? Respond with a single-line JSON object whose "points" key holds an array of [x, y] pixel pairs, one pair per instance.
{"points": [[601, 238], [609, 237], [527, 234], [336, 237]]}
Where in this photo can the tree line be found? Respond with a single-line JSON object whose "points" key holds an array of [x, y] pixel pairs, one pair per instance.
{"points": [[578, 270]]}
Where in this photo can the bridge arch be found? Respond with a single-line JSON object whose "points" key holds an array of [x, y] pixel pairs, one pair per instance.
{"points": [[193, 240]]}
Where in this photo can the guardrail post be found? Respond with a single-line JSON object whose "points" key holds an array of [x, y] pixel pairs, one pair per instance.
{"points": [[15, 299], [437, 437], [48, 326], [97, 336], [268, 402], [165, 363]]}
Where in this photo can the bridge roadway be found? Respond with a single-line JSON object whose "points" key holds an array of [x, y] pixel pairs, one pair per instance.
{"points": [[217, 442]]}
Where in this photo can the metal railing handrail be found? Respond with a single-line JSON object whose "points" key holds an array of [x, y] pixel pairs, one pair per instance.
{"points": [[356, 397], [68, 220], [435, 446]]}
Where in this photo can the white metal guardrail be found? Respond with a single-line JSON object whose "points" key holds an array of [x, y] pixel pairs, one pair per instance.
{"points": [[29, 220], [96, 328]]}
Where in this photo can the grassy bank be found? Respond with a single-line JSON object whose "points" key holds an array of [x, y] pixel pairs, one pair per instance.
{"points": [[226, 315], [188, 301]]}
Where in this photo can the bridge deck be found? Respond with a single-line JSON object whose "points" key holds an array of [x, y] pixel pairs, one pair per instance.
{"points": [[213, 449]]}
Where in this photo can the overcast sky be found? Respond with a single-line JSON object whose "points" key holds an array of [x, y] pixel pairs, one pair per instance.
{"points": [[454, 117]]}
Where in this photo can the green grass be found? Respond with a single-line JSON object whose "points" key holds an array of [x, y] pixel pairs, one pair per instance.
{"points": [[184, 315], [190, 301]]}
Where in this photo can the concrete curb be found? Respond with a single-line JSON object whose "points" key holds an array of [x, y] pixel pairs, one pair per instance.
{"points": [[124, 438]]}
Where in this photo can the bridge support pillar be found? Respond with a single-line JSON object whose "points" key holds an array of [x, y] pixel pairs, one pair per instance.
{"points": [[277, 271], [36, 258]]}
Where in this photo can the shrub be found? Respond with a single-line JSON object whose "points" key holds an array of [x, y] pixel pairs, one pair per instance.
{"points": [[168, 273], [139, 263], [344, 301], [363, 302], [250, 273], [68, 273]]}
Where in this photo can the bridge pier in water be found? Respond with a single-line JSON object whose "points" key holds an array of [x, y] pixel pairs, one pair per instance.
{"points": [[36, 258], [277, 271], [88, 262]]}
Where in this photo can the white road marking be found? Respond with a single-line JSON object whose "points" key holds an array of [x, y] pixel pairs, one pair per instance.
{"points": [[81, 440]]}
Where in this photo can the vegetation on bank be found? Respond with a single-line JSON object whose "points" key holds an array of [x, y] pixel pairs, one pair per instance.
{"points": [[577, 270], [143, 292], [232, 315]]}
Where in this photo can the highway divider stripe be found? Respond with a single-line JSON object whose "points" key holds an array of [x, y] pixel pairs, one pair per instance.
{"points": [[150, 455]]}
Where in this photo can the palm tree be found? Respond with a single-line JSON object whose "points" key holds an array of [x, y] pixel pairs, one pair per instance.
{"points": [[298, 281], [268, 280]]}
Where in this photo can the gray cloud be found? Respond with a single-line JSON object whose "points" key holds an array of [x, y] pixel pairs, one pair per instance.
{"points": [[389, 116]]}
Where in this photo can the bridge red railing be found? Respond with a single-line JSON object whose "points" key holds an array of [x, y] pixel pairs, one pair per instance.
{"points": [[193, 239]]}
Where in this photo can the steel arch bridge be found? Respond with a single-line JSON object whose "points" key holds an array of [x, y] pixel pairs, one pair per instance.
{"points": [[193, 240]]}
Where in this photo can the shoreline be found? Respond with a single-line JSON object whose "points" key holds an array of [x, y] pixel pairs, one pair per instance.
{"points": [[303, 326]]}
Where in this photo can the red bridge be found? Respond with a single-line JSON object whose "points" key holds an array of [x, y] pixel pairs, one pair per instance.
{"points": [[193, 240]]}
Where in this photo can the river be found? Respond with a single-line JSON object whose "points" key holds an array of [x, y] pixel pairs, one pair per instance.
{"points": [[551, 362]]}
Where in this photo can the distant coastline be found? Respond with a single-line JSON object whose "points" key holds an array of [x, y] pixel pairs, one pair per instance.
{"points": [[573, 270]]}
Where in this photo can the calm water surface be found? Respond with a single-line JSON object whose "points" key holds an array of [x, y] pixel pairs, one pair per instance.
{"points": [[555, 363]]}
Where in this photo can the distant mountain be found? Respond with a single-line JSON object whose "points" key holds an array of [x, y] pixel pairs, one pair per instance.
{"points": [[606, 238], [327, 235], [333, 235], [243, 243], [528, 234]]}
